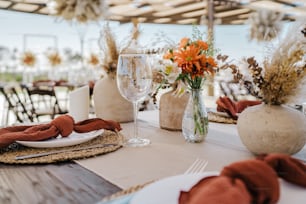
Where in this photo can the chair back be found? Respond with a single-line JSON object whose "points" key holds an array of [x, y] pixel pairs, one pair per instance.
{"points": [[15, 104], [42, 100]]}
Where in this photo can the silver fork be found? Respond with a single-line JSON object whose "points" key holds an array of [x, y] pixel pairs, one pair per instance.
{"points": [[197, 166]]}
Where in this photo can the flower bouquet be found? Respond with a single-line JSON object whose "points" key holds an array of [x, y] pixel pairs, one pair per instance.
{"points": [[193, 62], [273, 126], [280, 77]]}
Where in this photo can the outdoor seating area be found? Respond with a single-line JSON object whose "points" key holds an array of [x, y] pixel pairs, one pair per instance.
{"points": [[153, 101]]}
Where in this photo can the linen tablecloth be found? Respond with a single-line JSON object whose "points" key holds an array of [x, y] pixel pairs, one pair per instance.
{"points": [[168, 155]]}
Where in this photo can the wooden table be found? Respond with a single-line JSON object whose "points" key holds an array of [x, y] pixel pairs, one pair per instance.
{"points": [[53, 183], [168, 155]]}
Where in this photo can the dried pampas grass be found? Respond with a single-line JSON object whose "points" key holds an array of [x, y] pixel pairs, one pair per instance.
{"points": [[80, 10], [265, 25], [282, 76], [109, 50]]}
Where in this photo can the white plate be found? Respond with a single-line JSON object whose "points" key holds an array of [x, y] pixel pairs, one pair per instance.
{"points": [[73, 139], [166, 191]]}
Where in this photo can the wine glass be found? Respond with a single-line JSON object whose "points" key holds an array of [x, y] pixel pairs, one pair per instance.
{"points": [[134, 78]]}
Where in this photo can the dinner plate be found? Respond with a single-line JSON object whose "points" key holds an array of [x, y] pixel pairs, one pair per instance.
{"points": [[167, 190], [73, 139]]}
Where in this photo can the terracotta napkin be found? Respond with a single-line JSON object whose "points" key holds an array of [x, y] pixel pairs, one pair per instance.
{"points": [[288, 168], [96, 124], [247, 182], [225, 104], [63, 125]]}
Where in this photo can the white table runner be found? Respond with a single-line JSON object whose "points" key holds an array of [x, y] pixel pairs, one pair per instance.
{"points": [[168, 154]]}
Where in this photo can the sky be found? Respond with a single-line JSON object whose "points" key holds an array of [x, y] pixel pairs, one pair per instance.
{"points": [[37, 32]]}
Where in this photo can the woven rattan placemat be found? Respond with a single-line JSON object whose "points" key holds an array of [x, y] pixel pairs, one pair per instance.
{"points": [[124, 192], [8, 155], [214, 117]]}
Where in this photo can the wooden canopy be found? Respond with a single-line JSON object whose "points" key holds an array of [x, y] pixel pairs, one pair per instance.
{"points": [[176, 11]]}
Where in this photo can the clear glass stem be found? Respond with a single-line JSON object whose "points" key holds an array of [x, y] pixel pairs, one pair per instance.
{"points": [[135, 106]]}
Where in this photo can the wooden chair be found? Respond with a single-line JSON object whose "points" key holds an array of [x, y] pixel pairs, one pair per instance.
{"points": [[42, 101], [14, 104], [233, 90]]}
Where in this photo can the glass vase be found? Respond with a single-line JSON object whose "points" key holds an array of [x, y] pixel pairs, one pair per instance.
{"points": [[195, 118]]}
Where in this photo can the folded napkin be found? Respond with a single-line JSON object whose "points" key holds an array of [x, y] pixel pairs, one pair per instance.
{"points": [[286, 167], [79, 103], [247, 182], [63, 125], [212, 190], [96, 124], [225, 104]]}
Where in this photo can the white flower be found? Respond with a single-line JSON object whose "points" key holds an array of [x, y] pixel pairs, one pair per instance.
{"points": [[180, 89], [170, 70]]}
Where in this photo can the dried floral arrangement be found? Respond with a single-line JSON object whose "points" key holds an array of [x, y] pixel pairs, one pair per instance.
{"points": [[93, 60], [28, 58], [265, 25], [80, 10], [110, 48], [54, 58], [282, 74]]}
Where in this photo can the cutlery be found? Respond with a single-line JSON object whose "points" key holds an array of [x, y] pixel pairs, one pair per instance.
{"points": [[28, 156]]}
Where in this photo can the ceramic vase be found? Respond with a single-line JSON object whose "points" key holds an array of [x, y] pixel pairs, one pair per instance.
{"points": [[109, 104], [267, 129], [171, 109]]}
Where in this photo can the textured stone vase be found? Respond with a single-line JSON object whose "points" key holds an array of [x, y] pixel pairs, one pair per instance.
{"points": [[108, 102], [171, 109], [272, 128]]}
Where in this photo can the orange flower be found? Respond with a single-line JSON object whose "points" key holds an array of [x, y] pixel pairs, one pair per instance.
{"points": [[169, 55], [211, 61], [194, 60], [202, 45], [188, 55], [184, 42]]}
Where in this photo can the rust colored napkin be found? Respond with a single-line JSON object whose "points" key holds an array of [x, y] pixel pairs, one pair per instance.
{"points": [[96, 124], [216, 190], [225, 104], [247, 182], [288, 168], [63, 125]]}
